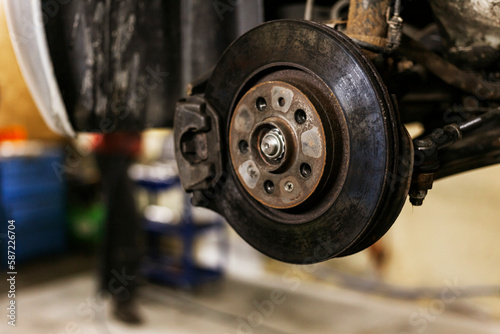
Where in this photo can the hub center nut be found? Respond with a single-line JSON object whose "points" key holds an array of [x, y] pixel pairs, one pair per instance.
{"points": [[273, 145]]}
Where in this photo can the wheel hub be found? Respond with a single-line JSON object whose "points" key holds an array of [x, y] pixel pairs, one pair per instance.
{"points": [[277, 144]]}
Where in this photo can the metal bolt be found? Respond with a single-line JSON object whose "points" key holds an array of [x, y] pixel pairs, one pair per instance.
{"points": [[417, 197], [289, 187], [273, 144]]}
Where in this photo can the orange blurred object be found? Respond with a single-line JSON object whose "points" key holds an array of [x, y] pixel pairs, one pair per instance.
{"points": [[13, 133]]}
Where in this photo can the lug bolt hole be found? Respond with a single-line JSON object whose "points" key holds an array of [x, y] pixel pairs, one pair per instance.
{"points": [[243, 146], [281, 102], [261, 104], [269, 186], [300, 116], [305, 170]]}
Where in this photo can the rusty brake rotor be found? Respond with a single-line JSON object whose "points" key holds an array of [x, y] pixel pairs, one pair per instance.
{"points": [[296, 143]]}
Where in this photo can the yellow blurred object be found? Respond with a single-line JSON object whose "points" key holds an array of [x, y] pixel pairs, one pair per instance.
{"points": [[17, 107]]}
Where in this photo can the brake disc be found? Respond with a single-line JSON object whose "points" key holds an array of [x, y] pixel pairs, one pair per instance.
{"points": [[296, 143]]}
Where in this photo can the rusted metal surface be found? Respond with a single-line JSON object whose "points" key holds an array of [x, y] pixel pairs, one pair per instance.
{"points": [[277, 144], [467, 81], [469, 22], [367, 21], [471, 31]]}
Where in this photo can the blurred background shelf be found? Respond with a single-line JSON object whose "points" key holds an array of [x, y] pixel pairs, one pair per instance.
{"points": [[174, 233]]}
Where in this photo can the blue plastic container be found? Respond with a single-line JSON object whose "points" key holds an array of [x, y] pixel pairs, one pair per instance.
{"points": [[32, 194]]}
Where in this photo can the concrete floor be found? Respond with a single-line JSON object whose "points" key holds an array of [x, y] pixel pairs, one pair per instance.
{"points": [[272, 304]]}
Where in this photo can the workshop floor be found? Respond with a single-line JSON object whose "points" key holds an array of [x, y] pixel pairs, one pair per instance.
{"points": [[71, 305]]}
